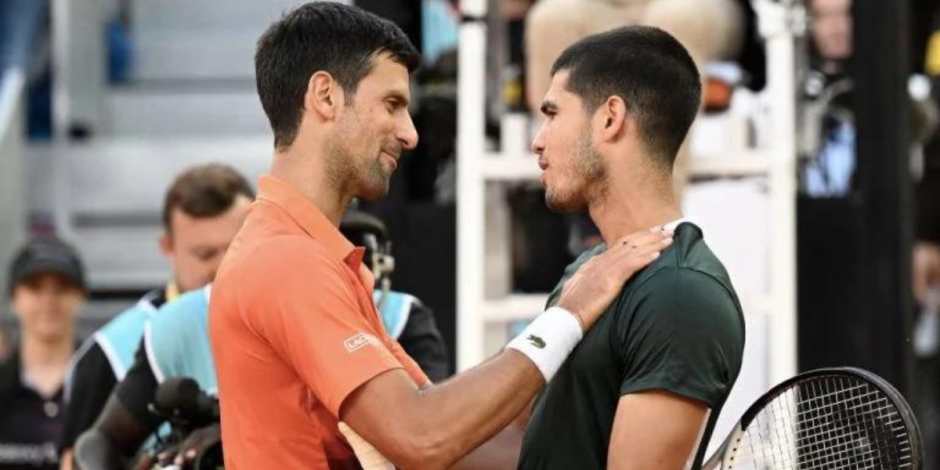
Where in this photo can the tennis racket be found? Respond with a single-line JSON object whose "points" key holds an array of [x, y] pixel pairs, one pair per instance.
{"points": [[369, 457], [829, 419]]}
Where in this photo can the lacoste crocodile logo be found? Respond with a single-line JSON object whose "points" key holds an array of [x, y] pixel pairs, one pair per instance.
{"points": [[536, 341]]}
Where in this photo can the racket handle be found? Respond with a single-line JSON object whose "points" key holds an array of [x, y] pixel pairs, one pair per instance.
{"points": [[369, 457]]}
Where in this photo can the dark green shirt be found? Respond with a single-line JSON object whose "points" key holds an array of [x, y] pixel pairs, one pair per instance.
{"points": [[677, 326]]}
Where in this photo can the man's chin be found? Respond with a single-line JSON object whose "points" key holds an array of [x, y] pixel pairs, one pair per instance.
{"points": [[374, 193], [560, 206], [50, 335]]}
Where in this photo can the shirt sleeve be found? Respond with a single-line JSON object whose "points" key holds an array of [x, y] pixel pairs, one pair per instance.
{"points": [[315, 321], [91, 383], [423, 341], [139, 389], [683, 333]]}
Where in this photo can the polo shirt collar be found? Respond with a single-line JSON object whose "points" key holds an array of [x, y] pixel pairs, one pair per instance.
{"points": [[309, 217]]}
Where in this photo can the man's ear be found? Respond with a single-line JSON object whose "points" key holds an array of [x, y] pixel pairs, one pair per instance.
{"points": [[613, 116], [324, 95], [166, 245]]}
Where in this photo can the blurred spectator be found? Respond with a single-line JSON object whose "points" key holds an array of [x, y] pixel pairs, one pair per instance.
{"points": [[440, 26], [829, 132], [927, 248], [711, 30], [203, 209], [47, 287], [828, 136], [831, 34]]}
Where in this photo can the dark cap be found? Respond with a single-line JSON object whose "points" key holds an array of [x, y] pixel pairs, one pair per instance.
{"points": [[47, 255]]}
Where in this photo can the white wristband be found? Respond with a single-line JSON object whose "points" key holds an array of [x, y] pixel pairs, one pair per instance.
{"points": [[549, 339]]}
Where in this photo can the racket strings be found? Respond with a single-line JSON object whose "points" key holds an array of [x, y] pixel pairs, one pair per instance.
{"points": [[826, 423], [858, 429]]}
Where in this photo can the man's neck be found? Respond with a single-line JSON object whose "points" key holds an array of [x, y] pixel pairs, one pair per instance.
{"points": [[307, 174], [632, 208], [44, 353]]}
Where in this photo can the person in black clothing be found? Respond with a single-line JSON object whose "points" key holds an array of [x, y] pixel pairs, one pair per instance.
{"points": [[405, 317], [47, 288]]}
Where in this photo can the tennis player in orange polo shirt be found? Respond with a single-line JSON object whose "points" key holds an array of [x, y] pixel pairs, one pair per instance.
{"points": [[298, 344]]}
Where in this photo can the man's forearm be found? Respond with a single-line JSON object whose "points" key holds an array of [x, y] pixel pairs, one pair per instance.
{"points": [[475, 406], [116, 436], [433, 428]]}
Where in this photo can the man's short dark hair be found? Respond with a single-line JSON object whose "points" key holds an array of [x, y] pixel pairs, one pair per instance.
{"points": [[205, 191], [320, 36], [649, 70]]}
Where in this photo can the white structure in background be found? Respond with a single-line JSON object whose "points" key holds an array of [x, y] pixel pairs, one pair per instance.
{"points": [[755, 237], [190, 99], [12, 187]]}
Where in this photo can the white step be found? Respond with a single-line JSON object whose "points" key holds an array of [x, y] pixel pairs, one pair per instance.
{"points": [[109, 193], [200, 39], [185, 111], [201, 14], [122, 258], [119, 175], [202, 54]]}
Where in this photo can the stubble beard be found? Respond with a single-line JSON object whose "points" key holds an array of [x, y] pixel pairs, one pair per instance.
{"points": [[352, 174], [587, 181]]}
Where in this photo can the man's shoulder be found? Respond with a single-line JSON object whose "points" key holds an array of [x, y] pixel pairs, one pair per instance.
{"points": [[273, 254], [677, 298], [293, 265], [128, 324], [186, 309], [682, 282], [688, 283], [688, 259], [693, 253], [138, 313], [87, 355]]}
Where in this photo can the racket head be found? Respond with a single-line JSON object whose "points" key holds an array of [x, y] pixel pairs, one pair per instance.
{"points": [[829, 419]]}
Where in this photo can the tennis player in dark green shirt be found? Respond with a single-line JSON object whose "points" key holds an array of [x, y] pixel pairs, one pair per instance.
{"points": [[645, 386], [652, 374]]}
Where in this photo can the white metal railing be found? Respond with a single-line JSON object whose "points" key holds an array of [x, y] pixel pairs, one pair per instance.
{"points": [[776, 161], [78, 55], [12, 215], [11, 90]]}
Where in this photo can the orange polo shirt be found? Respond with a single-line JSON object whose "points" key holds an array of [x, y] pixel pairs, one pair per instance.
{"points": [[294, 331]]}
